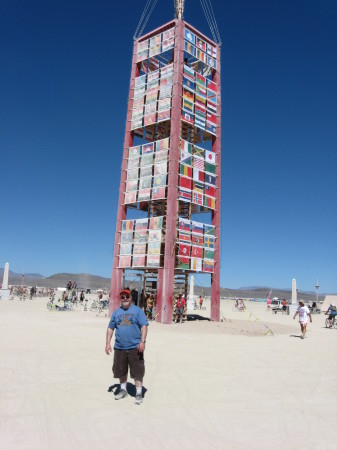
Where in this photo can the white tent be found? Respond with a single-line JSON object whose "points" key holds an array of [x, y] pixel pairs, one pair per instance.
{"points": [[329, 299]]}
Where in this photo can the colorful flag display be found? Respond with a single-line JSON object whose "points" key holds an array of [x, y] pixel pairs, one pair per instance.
{"points": [[153, 90], [195, 249], [141, 240], [202, 50], [147, 172], [160, 43], [197, 165], [199, 102]]}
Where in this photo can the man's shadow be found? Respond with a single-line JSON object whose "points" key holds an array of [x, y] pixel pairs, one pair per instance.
{"points": [[130, 388], [192, 317], [295, 335]]}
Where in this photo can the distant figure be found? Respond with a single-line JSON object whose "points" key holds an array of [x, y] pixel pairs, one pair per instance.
{"points": [[180, 307], [201, 300], [284, 305], [332, 311], [134, 295], [303, 313], [82, 296], [268, 303], [149, 307], [69, 285]]}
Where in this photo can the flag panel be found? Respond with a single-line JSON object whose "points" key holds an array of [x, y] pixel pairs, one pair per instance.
{"points": [[156, 223], [183, 262], [138, 261], [125, 249], [208, 265], [125, 261], [130, 197], [126, 237], [196, 264], [153, 261]]}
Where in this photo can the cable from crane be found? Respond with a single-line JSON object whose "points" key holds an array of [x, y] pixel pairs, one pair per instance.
{"points": [[210, 17], [145, 17]]}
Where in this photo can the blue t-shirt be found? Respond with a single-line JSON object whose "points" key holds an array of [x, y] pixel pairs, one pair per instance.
{"points": [[333, 312], [128, 324]]}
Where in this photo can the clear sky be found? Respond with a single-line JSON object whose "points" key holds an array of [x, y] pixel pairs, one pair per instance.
{"points": [[64, 80]]}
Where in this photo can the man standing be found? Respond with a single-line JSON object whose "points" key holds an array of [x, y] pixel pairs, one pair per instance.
{"points": [[180, 307], [131, 330]]}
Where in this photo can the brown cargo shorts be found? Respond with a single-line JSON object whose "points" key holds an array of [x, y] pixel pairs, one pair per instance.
{"points": [[123, 359]]}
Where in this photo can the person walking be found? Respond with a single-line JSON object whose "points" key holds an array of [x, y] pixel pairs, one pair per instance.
{"points": [[130, 324], [303, 313]]}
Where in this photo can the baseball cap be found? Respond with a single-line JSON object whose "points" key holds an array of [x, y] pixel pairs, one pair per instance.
{"points": [[125, 291]]}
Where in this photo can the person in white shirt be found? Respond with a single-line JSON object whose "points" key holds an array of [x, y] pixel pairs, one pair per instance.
{"points": [[303, 313]]}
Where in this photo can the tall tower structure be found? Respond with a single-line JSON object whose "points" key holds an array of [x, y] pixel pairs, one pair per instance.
{"points": [[171, 169]]}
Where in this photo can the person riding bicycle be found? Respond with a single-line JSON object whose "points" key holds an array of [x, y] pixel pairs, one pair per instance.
{"points": [[240, 304], [332, 311]]}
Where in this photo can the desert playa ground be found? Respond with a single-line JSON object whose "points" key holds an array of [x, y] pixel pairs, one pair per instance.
{"points": [[227, 385]]}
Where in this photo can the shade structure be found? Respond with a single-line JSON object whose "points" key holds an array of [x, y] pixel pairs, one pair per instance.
{"points": [[171, 168]]}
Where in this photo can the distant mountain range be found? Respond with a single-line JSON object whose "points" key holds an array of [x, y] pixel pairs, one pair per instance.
{"points": [[88, 281]]}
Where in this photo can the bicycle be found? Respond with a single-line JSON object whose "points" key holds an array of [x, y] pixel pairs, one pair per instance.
{"points": [[198, 307], [51, 305], [328, 325], [239, 308], [103, 305]]}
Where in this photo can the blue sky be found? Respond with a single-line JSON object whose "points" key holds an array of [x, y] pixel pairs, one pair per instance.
{"points": [[64, 83]]}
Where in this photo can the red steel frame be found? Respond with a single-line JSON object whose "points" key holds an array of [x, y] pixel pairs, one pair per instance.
{"points": [[165, 286], [116, 277], [165, 282]]}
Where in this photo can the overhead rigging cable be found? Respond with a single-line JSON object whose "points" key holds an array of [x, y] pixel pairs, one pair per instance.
{"points": [[210, 17], [141, 19], [145, 17]]}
